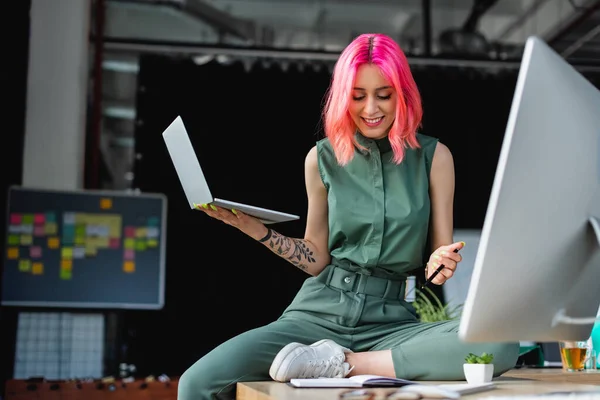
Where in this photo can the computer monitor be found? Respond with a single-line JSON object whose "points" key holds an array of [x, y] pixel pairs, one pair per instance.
{"points": [[536, 275]]}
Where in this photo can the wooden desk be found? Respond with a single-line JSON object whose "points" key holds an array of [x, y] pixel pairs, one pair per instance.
{"points": [[515, 382]]}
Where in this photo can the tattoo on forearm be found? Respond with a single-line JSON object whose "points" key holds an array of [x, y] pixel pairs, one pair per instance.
{"points": [[294, 250]]}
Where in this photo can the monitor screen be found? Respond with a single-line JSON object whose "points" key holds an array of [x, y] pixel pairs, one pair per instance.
{"points": [[536, 275], [84, 249]]}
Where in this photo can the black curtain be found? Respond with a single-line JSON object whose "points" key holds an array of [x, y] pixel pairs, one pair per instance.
{"points": [[251, 130]]}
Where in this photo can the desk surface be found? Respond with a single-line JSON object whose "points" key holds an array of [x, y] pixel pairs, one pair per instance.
{"points": [[515, 382]]}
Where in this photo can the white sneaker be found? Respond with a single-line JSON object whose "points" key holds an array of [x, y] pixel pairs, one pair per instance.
{"points": [[322, 359]]}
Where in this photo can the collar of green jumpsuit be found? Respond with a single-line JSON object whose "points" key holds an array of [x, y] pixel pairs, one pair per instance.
{"points": [[382, 144]]}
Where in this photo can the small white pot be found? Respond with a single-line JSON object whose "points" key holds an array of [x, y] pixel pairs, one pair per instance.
{"points": [[478, 373]]}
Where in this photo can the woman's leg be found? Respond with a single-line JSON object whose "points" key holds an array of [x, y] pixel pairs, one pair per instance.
{"points": [[246, 357], [431, 351]]}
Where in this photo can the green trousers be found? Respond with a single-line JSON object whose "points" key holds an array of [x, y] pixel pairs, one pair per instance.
{"points": [[359, 312]]}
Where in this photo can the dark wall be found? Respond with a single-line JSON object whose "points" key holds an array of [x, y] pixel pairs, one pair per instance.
{"points": [[252, 131], [14, 85]]}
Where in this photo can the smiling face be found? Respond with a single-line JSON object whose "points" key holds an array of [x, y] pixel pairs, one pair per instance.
{"points": [[373, 104]]}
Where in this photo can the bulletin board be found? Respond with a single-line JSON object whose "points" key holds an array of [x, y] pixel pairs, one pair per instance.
{"points": [[84, 249]]}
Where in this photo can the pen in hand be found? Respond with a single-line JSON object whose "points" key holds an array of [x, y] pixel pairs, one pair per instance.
{"points": [[435, 273]]}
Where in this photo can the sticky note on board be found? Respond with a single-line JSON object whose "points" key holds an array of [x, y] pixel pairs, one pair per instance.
{"points": [[35, 252], [15, 219], [27, 219], [66, 253], [78, 252], [106, 203], [12, 253], [129, 254], [24, 265], [128, 267], [51, 228], [38, 230], [53, 243], [66, 265], [140, 233], [129, 231], [39, 219], [65, 274], [26, 240], [37, 268], [129, 243], [140, 245], [90, 250], [14, 240], [152, 243]]}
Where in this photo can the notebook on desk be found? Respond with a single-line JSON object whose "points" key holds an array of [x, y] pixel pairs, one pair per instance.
{"points": [[447, 390], [194, 183]]}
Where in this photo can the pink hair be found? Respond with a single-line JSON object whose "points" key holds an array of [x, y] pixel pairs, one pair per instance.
{"points": [[382, 51]]}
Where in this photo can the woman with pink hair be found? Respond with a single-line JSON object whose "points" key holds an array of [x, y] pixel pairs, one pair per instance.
{"points": [[377, 190]]}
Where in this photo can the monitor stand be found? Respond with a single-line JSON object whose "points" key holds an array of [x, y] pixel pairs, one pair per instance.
{"points": [[588, 273]]}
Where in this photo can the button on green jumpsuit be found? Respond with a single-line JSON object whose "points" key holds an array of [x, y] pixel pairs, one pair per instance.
{"points": [[378, 225]]}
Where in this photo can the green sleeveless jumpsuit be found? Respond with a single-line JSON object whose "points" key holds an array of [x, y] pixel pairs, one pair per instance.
{"points": [[378, 226]]}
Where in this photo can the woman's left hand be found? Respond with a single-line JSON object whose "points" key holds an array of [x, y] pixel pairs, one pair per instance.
{"points": [[444, 255]]}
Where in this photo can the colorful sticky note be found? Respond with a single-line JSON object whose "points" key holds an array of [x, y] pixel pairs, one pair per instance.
{"points": [[65, 274], [14, 240], [51, 228], [80, 230], [140, 245], [26, 229], [66, 253], [37, 268], [24, 265], [35, 252], [129, 254], [153, 221], [39, 219], [128, 267], [80, 240], [129, 231], [50, 217], [39, 230], [66, 264], [69, 218], [152, 232], [90, 250], [26, 240], [106, 204], [53, 242], [15, 219], [129, 243], [140, 233], [98, 242], [152, 243], [27, 219], [78, 252], [114, 243], [12, 253]]}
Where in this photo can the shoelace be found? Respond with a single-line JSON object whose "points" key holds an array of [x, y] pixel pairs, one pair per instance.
{"points": [[331, 368]]}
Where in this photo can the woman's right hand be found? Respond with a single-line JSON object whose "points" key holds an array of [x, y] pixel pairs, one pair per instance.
{"points": [[251, 226]]}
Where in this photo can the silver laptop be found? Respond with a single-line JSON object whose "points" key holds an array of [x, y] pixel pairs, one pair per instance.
{"points": [[194, 183]]}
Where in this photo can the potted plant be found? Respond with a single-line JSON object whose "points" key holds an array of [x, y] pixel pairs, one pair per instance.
{"points": [[478, 369], [430, 308]]}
